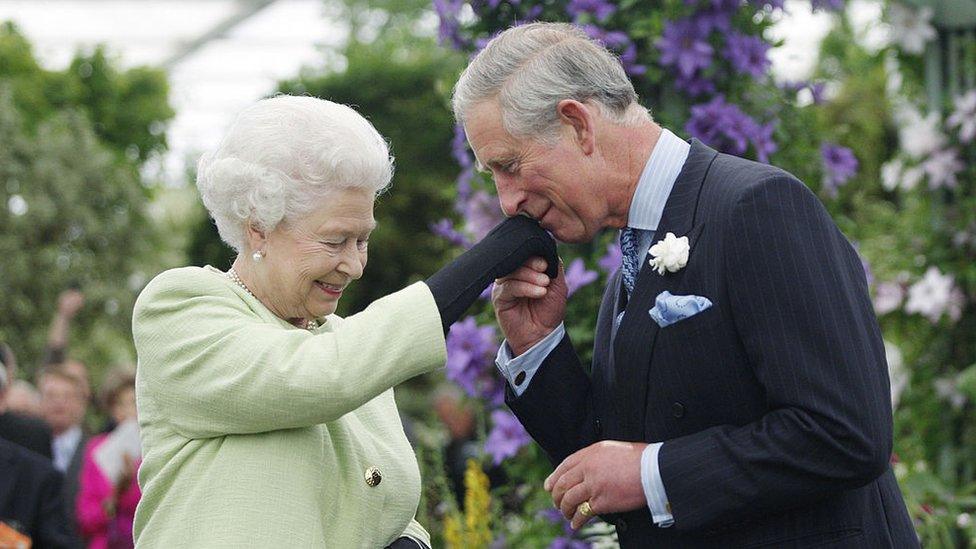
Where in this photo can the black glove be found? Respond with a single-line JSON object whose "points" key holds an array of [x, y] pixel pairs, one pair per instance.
{"points": [[504, 249], [404, 542]]}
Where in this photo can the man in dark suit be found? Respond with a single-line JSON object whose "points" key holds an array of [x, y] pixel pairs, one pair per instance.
{"points": [[738, 395], [28, 432], [31, 499], [63, 403]]}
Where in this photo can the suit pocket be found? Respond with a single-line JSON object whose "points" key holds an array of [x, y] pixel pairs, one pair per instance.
{"points": [[694, 323]]}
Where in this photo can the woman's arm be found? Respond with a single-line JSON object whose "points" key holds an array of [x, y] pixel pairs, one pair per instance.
{"points": [[209, 366]]}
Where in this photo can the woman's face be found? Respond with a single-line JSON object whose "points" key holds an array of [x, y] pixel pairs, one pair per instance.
{"points": [[124, 406], [308, 262]]}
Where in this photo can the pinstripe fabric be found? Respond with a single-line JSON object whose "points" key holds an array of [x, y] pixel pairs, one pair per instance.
{"points": [[773, 404]]}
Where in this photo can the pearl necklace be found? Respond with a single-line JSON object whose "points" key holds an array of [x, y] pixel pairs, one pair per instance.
{"points": [[310, 325]]}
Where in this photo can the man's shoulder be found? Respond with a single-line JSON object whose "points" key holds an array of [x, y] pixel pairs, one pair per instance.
{"points": [[732, 179], [25, 462], [14, 423]]}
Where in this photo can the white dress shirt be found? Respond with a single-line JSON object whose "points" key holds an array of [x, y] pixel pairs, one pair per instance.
{"points": [[655, 184], [64, 447]]}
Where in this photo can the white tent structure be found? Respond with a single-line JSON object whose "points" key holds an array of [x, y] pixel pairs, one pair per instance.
{"points": [[224, 54]]}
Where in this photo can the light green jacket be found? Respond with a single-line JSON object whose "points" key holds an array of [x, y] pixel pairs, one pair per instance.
{"points": [[258, 434]]}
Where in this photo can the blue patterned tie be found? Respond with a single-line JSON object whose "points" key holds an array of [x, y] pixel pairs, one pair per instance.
{"points": [[629, 241]]}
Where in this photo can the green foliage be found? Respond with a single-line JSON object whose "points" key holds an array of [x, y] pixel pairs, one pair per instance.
{"points": [[73, 208]]}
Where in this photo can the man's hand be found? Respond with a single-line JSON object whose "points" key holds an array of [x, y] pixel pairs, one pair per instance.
{"points": [[69, 303], [528, 304], [607, 474]]}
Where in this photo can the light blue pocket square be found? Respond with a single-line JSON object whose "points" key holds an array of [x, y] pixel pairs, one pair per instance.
{"points": [[669, 309]]}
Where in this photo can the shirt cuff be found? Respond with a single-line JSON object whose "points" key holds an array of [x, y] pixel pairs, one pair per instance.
{"points": [[519, 370], [657, 498]]}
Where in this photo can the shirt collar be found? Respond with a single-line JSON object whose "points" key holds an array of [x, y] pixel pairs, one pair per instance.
{"points": [[69, 439], [657, 180]]}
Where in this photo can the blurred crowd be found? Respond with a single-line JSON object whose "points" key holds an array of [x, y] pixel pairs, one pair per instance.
{"points": [[68, 452]]}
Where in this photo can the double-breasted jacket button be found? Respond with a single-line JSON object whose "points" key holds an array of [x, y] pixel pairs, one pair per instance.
{"points": [[373, 476], [678, 409]]}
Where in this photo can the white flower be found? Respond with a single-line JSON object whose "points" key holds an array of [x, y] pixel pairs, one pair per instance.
{"points": [[920, 136], [912, 177], [901, 470], [897, 374], [964, 520], [942, 167], [964, 116], [910, 29], [946, 389], [670, 254], [930, 296], [887, 297], [891, 174]]}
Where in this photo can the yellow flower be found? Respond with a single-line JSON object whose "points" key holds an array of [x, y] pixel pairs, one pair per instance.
{"points": [[476, 532]]}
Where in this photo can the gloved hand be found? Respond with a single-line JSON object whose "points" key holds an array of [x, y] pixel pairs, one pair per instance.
{"points": [[510, 244]]}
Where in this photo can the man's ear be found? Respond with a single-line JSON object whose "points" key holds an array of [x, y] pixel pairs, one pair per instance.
{"points": [[580, 118]]}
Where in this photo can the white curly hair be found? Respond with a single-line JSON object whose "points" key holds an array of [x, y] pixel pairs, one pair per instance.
{"points": [[281, 157]]}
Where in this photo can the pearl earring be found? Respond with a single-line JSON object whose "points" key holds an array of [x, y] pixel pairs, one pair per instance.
{"points": [[257, 256]]}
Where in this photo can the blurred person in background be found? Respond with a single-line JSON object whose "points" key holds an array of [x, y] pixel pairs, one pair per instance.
{"points": [[266, 417], [24, 399], [108, 492], [70, 302], [31, 504], [462, 445], [63, 405], [15, 426]]}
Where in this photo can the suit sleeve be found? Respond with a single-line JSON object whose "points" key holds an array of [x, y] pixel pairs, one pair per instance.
{"points": [[52, 525], [801, 307], [557, 408], [213, 369]]}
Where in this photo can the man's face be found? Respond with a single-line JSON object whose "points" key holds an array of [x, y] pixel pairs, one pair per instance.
{"points": [[547, 183], [62, 402]]}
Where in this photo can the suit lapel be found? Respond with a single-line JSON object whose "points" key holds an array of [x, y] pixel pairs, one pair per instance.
{"points": [[635, 338]]}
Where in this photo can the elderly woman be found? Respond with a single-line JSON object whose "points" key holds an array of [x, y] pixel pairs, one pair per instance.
{"points": [[266, 420]]}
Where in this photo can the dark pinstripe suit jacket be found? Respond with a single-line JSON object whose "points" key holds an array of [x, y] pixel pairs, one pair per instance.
{"points": [[773, 404]]}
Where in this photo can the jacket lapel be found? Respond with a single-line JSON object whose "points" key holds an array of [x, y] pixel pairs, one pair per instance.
{"points": [[635, 338]]}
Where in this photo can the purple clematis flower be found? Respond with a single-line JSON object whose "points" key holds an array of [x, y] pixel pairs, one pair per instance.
{"points": [[459, 147], [763, 142], [481, 213], [506, 438], [449, 29], [470, 357], [747, 54], [578, 276], [445, 229], [683, 45], [568, 543], [695, 86], [827, 5], [724, 126], [600, 9], [619, 42], [840, 165], [612, 260]]}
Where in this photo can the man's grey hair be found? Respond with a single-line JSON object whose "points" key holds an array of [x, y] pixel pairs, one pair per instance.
{"points": [[282, 157], [529, 69]]}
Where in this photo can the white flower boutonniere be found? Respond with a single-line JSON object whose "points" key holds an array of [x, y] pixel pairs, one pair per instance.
{"points": [[670, 254]]}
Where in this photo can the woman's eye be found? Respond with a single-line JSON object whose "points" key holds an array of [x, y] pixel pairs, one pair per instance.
{"points": [[333, 245]]}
